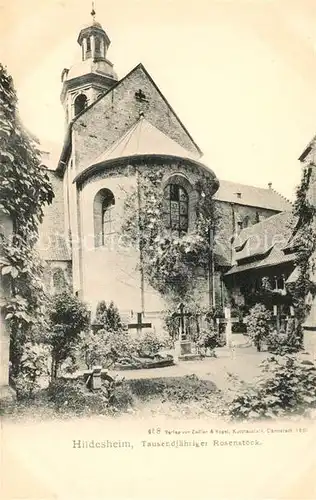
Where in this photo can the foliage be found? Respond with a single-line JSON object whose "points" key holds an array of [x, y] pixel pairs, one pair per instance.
{"points": [[287, 342], [108, 317], [100, 313], [71, 396], [33, 365], [168, 260], [68, 317], [107, 348], [287, 386], [149, 343], [209, 339], [304, 243], [264, 294], [258, 326], [188, 388], [24, 190]]}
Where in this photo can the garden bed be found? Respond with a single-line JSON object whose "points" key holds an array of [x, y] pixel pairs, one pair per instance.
{"points": [[68, 398]]}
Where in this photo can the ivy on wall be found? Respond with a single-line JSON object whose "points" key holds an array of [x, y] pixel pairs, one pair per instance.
{"points": [[24, 189], [304, 241], [169, 261]]}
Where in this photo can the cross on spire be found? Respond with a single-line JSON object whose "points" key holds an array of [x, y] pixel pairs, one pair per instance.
{"points": [[93, 12]]}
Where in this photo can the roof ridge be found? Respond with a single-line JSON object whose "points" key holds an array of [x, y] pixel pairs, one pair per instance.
{"points": [[243, 184], [282, 196]]}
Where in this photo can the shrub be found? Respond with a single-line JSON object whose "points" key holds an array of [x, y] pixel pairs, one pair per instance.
{"points": [[287, 386], [149, 343], [258, 326], [189, 388], [176, 389], [33, 365], [71, 396], [287, 342], [239, 327], [68, 317], [122, 398], [106, 348], [209, 339]]}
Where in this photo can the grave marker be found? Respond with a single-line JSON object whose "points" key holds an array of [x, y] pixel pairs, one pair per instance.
{"points": [[139, 325]]}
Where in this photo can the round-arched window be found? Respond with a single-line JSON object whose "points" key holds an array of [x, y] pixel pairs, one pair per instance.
{"points": [[175, 209], [103, 209], [81, 102]]}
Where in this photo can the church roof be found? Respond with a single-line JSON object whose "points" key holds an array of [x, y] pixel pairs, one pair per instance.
{"points": [[264, 244], [242, 194], [66, 151], [143, 138]]}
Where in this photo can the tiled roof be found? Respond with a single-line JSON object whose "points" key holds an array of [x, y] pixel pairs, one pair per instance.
{"points": [[274, 258], [262, 244], [242, 194], [256, 240], [143, 138]]}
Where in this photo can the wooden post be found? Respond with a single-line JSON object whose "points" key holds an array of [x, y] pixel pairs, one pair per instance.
{"points": [[228, 329], [277, 318]]}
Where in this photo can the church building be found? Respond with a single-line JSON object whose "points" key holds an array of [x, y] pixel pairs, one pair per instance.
{"points": [[116, 128]]}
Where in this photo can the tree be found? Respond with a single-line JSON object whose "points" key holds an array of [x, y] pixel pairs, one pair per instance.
{"points": [[108, 317], [258, 324], [24, 190], [113, 319], [100, 314], [68, 318]]}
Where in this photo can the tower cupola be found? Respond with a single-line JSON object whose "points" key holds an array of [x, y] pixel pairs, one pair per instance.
{"points": [[87, 80], [93, 40]]}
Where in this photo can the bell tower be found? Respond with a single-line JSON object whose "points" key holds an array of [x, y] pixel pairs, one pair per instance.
{"points": [[85, 81]]}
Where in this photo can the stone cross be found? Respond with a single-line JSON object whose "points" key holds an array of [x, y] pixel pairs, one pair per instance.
{"points": [[140, 96], [181, 314], [139, 325]]}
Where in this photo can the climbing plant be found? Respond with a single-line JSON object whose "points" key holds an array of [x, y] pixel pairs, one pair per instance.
{"points": [[24, 190], [304, 242], [169, 261]]}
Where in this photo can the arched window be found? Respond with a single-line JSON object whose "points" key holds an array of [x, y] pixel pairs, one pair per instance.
{"points": [[107, 216], [103, 211], [97, 47], [88, 45], [81, 103], [59, 281], [176, 204]]}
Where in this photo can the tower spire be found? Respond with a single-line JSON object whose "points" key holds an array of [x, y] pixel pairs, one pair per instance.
{"points": [[93, 13]]}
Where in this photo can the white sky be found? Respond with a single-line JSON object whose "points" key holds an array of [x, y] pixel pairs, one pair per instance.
{"points": [[241, 74]]}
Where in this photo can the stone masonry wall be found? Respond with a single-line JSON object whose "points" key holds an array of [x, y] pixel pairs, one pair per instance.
{"points": [[53, 225], [109, 118], [111, 272]]}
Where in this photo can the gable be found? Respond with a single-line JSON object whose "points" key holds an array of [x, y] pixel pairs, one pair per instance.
{"points": [[112, 115]]}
